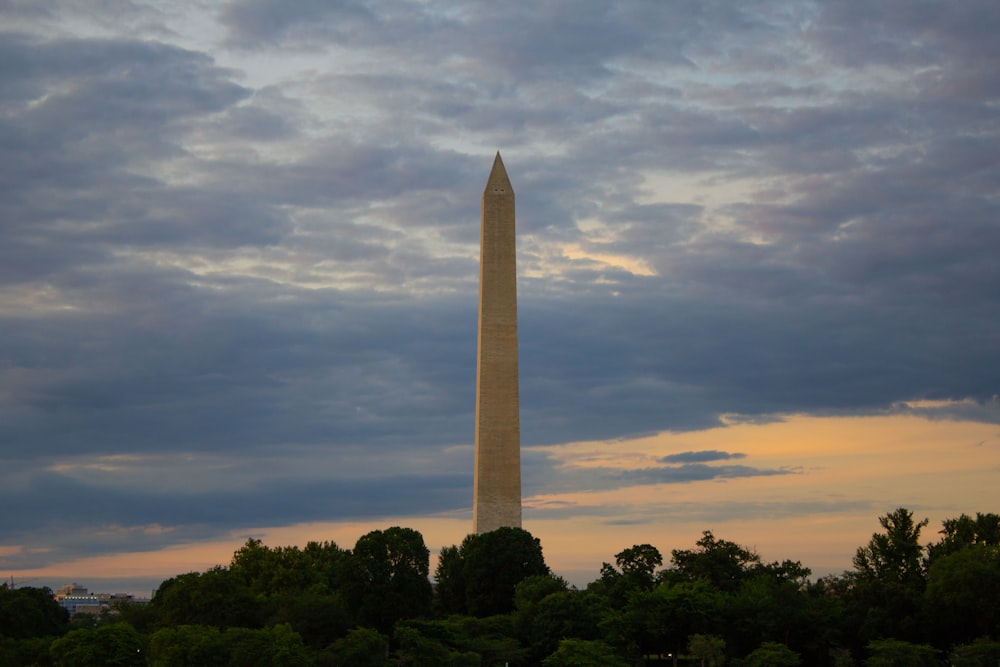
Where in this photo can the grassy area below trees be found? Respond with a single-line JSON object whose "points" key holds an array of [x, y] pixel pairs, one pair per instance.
{"points": [[904, 602]]}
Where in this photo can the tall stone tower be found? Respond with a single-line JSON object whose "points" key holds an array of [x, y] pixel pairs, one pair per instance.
{"points": [[497, 496]]}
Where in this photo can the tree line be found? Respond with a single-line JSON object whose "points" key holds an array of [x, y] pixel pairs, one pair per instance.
{"points": [[495, 602]]}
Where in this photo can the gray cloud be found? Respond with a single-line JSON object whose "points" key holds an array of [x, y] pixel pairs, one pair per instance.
{"points": [[76, 519], [708, 513], [252, 22], [702, 456], [697, 472]]}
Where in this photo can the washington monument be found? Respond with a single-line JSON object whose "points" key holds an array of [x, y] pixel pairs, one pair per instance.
{"points": [[497, 495]]}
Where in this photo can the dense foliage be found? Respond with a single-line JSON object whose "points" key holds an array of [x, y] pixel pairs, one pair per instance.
{"points": [[496, 603]]}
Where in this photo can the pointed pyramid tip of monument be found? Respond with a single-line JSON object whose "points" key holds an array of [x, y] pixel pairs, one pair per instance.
{"points": [[498, 180]]}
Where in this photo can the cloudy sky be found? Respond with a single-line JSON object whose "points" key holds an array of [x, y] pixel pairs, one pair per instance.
{"points": [[759, 281]]}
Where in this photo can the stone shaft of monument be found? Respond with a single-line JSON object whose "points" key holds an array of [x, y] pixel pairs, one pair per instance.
{"points": [[497, 493]]}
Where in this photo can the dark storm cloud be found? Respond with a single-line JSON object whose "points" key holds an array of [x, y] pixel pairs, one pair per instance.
{"points": [[209, 248]]}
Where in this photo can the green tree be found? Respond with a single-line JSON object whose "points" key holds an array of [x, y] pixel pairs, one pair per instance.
{"points": [[186, 646], [362, 647], [963, 588], [639, 562], [895, 555], [885, 599], [491, 639], [547, 611], [276, 646], [791, 571], [773, 654], [965, 532], [116, 644], [288, 570], [841, 657], [777, 609], [532, 590], [981, 653], [214, 597], [387, 578], [318, 618], [493, 563], [722, 563], [450, 579], [206, 646], [139, 615], [635, 571], [264, 570], [31, 612], [710, 649], [23, 652], [898, 653], [584, 653], [417, 650], [297, 586], [663, 619]]}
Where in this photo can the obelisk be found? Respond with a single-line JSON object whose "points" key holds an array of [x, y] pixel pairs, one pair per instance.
{"points": [[497, 494]]}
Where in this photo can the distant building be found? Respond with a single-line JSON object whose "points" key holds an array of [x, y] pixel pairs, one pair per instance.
{"points": [[76, 599], [70, 589]]}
